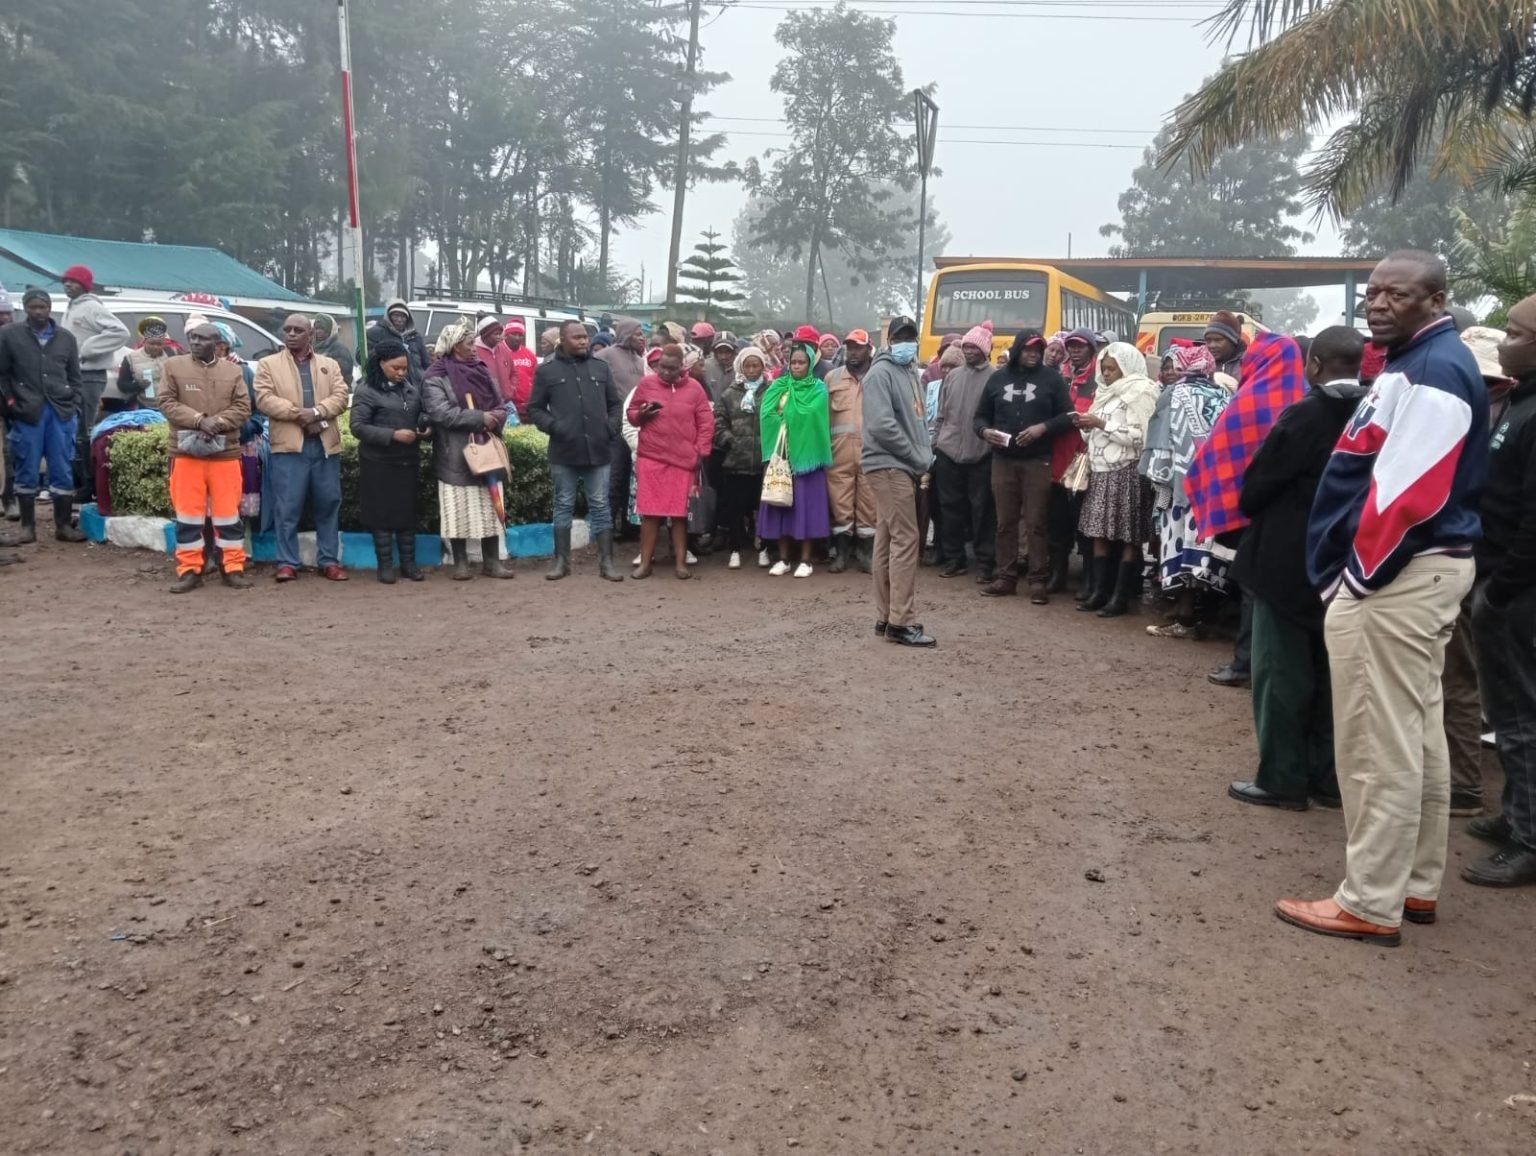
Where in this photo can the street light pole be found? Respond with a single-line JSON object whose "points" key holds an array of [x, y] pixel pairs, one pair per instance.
{"points": [[927, 115], [354, 210]]}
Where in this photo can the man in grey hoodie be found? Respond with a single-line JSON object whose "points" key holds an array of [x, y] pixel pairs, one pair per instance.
{"points": [[101, 337], [896, 456]]}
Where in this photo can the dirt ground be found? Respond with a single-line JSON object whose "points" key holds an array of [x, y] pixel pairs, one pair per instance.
{"points": [[686, 868]]}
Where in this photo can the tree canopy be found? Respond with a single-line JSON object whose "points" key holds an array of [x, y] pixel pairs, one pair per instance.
{"points": [[518, 136], [833, 189]]}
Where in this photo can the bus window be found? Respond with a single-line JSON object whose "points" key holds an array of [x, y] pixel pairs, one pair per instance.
{"points": [[1010, 300]]}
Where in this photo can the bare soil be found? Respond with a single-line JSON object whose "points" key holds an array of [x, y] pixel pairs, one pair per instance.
{"points": [[685, 868]]}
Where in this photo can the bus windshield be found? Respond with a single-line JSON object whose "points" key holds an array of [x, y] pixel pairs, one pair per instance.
{"points": [[1011, 301]]}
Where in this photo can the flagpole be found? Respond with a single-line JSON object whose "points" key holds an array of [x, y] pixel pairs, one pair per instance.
{"points": [[354, 210]]}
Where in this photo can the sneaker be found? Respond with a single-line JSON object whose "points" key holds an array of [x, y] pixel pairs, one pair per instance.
{"points": [[779, 569], [735, 561], [762, 559], [692, 559], [803, 570]]}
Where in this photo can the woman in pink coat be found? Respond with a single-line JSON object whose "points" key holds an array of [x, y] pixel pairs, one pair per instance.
{"points": [[677, 428]]}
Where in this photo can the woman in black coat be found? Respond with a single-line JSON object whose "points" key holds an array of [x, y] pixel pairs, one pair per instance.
{"points": [[386, 420]]}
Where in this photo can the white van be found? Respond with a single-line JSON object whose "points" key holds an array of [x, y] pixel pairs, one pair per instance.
{"points": [[254, 340], [536, 313]]}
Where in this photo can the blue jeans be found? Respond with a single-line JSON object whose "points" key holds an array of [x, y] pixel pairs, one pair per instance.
{"points": [[52, 438], [594, 480], [307, 475]]}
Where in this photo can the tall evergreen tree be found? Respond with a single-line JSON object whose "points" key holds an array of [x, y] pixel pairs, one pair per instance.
{"points": [[708, 281]]}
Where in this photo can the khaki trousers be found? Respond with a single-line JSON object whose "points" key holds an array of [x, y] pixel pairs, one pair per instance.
{"points": [[1463, 709], [897, 549], [1386, 653], [853, 505]]}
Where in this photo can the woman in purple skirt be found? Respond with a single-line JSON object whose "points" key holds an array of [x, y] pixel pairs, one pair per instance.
{"points": [[797, 401]]}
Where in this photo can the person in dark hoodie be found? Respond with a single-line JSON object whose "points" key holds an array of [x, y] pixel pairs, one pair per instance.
{"points": [[1292, 704], [329, 343], [399, 325], [625, 358], [1504, 614], [1022, 409]]}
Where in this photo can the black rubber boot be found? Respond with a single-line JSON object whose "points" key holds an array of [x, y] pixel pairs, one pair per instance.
{"points": [[842, 546], [606, 570], [864, 555], [408, 568], [491, 565], [562, 564], [383, 545], [1060, 560], [26, 534], [1101, 579], [461, 570], [63, 510], [1126, 591]]}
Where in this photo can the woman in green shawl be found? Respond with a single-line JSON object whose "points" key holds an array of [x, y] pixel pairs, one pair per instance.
{"points": [[797, 402]]}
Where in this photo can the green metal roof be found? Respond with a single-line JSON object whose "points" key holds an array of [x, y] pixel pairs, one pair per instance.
{"points": [[39, 258], [17, 279]]}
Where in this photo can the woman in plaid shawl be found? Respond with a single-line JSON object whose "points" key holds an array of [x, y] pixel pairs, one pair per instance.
{"points": [[1185, 414]]}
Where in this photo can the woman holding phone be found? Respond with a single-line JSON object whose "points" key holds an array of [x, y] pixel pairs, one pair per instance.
{"points": [[677, 428]]}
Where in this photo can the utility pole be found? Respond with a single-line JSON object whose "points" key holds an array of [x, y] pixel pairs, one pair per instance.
{"points": [[927, 128], [354, 210], [680, 174]]}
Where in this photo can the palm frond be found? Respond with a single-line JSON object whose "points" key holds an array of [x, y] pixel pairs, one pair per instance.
{"points": [[1500, 266]]}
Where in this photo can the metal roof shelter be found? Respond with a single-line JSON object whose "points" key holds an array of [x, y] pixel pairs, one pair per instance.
{"points": [[1145, 276], [127, 266]]}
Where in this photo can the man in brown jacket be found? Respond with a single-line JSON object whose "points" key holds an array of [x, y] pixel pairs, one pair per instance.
{"points": [[302, 394], [204, 399]]}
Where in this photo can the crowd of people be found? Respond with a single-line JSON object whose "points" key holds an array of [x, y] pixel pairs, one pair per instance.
{"points": [[1365, 509]]}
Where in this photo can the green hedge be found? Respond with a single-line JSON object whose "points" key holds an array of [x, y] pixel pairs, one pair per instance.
{"points": [[139, 468]]}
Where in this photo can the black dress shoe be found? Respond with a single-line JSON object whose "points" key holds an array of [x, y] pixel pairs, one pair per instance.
{"points": [[1332, 802], [1226, 676], [1245, 792], [909, 636], [1510, 866], [1493, 829], [954, 570], [880, 628], [985, 574]]}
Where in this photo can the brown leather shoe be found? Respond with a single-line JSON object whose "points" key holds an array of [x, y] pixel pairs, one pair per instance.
{"points": [[1419, 910], [333, 573], [1000, 588], [1325, 917]]}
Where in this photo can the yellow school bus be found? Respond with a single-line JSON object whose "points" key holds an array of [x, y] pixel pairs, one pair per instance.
{"points": [[1016, 295], [1157, 330]]}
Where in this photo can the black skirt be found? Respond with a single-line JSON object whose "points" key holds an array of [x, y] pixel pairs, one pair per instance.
{"points": [[387, 492]]}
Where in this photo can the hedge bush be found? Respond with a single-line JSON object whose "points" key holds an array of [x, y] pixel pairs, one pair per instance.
{"points": [[139, 468]]}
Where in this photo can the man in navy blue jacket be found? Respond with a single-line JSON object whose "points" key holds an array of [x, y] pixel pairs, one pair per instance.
{"points": [[1389, 548]]}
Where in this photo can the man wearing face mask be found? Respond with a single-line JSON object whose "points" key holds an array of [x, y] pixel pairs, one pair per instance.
{"points": [[896, 455], [853, 505]]}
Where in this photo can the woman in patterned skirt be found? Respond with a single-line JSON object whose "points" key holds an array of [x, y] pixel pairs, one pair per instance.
{"points": [[461, 402]]}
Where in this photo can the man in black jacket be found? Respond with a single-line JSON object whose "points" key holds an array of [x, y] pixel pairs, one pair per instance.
{"points": [[1504, 613], [40, 387], [1292, 703], [576, 403], [1022, 409]]}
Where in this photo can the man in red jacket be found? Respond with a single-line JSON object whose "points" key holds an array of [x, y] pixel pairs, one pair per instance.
{"points": [[524, 362]]}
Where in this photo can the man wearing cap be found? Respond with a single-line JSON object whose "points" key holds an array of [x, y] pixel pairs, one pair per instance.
{"points": [[524, 363], [205, 402], [720, 367], [962, 462], [40, 389], [853, 502], [1224, 338], [399, 324], [302, 394], [328, 343], [896, 456], [100, 336], [141, 370]]}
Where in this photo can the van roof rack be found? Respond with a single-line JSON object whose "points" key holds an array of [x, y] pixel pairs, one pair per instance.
{"points": [[441, 293]]}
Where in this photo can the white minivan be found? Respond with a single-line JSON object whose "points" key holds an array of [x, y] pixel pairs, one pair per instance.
{"points": [[537, 315]]}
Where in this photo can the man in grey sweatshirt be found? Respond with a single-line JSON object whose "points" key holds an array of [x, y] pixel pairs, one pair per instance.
{"points": [[101, 337], [896, 456]]}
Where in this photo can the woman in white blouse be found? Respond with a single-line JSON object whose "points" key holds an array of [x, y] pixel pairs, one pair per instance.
{"points": [[1117, 509]]}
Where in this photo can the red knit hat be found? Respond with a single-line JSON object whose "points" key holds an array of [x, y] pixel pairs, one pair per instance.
{"points": [[81, 274]]}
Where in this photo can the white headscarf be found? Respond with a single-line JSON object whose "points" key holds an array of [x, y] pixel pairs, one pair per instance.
{"points": [[749, 395], [1133, 375], [454, 334]]}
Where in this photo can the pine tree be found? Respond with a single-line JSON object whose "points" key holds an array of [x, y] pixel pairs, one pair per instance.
{"points": [[708, 280]]}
